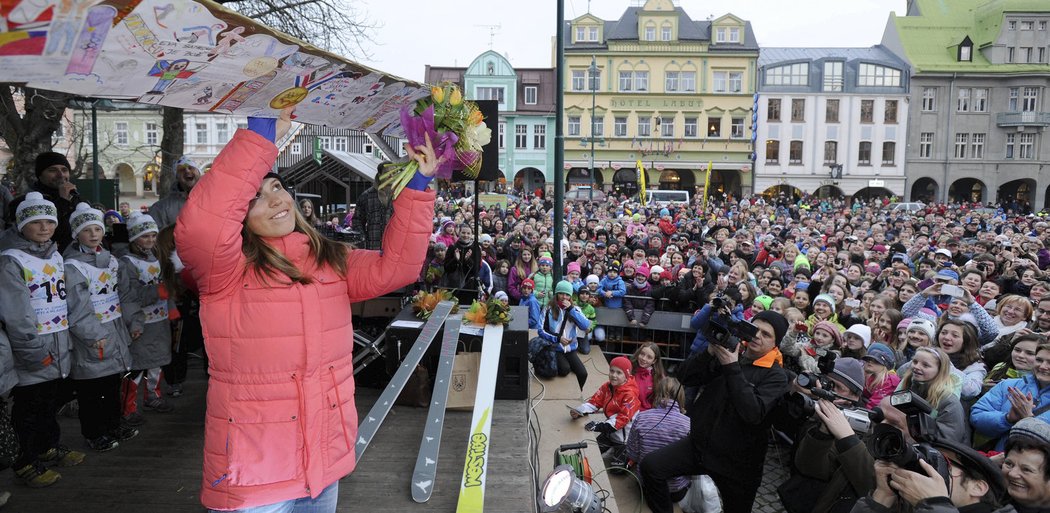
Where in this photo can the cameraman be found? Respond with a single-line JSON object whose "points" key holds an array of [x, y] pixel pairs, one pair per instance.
{"points": [[975, 485], [835, 467], [729, 422], [725, 306]]}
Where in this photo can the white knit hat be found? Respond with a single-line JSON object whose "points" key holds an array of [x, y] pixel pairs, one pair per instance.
{"points": [[83, 217], [35, 208], [139, 225]]}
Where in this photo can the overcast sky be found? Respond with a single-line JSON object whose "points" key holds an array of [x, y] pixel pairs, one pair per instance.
{"points": [[415, 33]]}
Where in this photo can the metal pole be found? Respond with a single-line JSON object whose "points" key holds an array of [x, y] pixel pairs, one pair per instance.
{"points": [[594, 91], [559, 140], [94, 152]]}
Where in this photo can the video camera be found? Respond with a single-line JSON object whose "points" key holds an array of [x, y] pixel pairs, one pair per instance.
{"points": [[803, 407], [889, 444], [727, 332]]}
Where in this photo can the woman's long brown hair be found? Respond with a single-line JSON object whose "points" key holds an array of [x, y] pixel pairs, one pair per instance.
{"points": [[267, 263]]}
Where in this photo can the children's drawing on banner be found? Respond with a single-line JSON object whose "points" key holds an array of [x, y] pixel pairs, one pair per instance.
{"points": [[66, 19], [167, 72], [89, 44]]}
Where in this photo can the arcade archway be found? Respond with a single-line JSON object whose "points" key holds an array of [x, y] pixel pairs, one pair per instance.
{"points": [[828, 191], [869, 193], [785, 190], [724, 181], [625, 181], [924, 189], [1017, 195], [967, 190], [528, 179]]}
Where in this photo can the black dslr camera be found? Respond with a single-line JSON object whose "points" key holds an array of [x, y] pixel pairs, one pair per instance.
{"points": [[889, 444], [803, 407], [727, 331], [826, 365]]}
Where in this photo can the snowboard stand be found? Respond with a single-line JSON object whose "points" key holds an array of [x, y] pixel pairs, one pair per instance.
{"points": [[472, 487], [370, 425], [425, 473]]}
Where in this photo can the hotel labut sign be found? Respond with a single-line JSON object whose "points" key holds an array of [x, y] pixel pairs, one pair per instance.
{"points": [[656, 103]]}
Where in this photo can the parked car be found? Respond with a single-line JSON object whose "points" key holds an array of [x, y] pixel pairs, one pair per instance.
{"points": [[663, 198], [910, 208], [584, 194]]}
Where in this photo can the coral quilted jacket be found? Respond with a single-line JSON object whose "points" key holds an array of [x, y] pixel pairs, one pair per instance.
{"points": [[281, 422]]}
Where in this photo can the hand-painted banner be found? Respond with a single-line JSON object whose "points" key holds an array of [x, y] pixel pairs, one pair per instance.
{"points": [[191, 54]]}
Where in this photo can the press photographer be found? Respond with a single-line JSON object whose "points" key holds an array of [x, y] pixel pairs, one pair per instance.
{"points": [[918, 470], [729, 422], [833, 463]]}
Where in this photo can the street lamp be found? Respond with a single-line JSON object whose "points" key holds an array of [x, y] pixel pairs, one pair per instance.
{"points": [[593, 70]]}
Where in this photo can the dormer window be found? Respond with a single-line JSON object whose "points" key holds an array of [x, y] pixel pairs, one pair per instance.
{"points": [[966, 50], [665, 32], [734, 34], [720, 35], [650, 32]]}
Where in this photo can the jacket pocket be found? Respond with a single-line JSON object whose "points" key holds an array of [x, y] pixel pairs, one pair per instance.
{"points": [[265, 443], [340, 419]]}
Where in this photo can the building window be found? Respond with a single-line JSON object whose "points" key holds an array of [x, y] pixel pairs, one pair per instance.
{"points": [[152, 134], [773, 113], [502, 135], [626, 81], [539, 137], [718, 81], [963, 104], [121, 133], [574, 125], [977, 146], [1026, 54], [867, 111], [593, 33], [326, 142], [831, 152], [925, 145], [1042, 55], [1026, 150], [734, 35], [795, 153], [665, 33], [341, 143], [798, 109], [890, 115], [1042, 25], [620, 127], [690, 127], [714, 127], [202, 133], [736, 128], [579, 79], [667, 126], [889, 149], [671, 82], [929, 99], [490, 93], [1009, 146], [297, 148], [736, 81], [1010, 54], [961, 141], [833, 76], [599, 126], [581, 33], [644, 127], [521, 137], [650, 33], [1031, 99], [1026, 25], [1012, 25], [864, 156], [790, 74], [222, 131], [980, 100], [872, 75], [531, 95], [687, 81], [831, 111], [641, 80], [772, 152], [1015, 94], [720, 35]]}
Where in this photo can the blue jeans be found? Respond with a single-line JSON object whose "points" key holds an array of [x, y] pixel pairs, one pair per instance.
{"points": [[324, 503]]}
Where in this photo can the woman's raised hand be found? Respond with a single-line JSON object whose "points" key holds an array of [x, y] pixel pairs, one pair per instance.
{"points": [[284, 122], [425, 156]]}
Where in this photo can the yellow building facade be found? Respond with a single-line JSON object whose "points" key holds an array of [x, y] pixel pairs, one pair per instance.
{"points": [[662, 88]]}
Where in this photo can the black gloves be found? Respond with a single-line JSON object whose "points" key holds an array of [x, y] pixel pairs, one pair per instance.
{"points": [[600, 427]]}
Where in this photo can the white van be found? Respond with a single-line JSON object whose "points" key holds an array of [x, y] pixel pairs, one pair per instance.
{"points": [[662, 198]]}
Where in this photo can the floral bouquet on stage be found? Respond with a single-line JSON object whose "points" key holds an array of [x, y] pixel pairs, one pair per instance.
{"points": [[456, 129]]}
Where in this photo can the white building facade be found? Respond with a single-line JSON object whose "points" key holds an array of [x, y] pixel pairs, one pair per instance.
{"points": [[831, 122]]}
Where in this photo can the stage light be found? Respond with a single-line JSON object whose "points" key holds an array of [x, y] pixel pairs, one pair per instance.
{"points": [[563, 492]]}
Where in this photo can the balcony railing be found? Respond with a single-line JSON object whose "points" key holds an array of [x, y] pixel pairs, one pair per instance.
{"points": [[1005, 119]]}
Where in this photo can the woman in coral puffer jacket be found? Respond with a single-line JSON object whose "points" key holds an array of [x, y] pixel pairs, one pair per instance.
{"points": [[275, 309]]}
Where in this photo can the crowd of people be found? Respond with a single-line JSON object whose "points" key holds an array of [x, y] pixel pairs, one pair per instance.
{"points": [[951, 303]]}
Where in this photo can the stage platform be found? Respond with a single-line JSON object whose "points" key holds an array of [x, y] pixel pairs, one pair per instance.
{"points": [[160, 470]]}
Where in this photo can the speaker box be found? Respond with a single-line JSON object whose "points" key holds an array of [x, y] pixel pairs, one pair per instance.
{"points": [[512, 381]]}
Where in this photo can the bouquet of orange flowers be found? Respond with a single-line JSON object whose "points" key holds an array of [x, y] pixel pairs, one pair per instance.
{"points": [[423, 303], [456, 129]]}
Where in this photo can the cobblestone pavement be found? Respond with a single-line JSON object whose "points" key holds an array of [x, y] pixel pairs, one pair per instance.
{"points": [[776, 472]]}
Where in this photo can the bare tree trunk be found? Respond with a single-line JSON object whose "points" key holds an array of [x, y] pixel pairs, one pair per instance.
{"points": [[27, 131], [172, 146]]}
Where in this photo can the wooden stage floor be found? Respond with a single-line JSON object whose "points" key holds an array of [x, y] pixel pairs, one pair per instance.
{"points": [[160, 470]]}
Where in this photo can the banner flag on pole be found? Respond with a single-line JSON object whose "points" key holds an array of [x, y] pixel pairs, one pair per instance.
{"points": [[641, 182]]}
